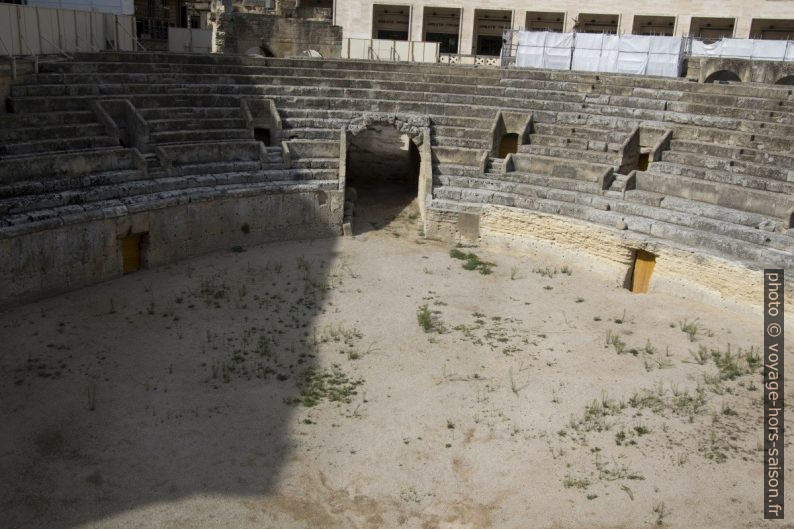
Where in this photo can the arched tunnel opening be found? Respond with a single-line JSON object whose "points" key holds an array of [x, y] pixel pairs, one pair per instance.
{"points": [[382, 178], [723, 76]]}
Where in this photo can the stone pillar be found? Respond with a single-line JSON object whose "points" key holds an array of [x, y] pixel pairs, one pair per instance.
{"points": [[682, 25], [626, 24], [467, 31], [519, 18], [567, 25], [741, 28], [416, 23]]}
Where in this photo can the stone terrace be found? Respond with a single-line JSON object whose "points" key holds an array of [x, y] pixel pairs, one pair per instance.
{"points": [[709, 167]]}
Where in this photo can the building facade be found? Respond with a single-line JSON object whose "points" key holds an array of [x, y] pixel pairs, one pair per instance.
{"points": [[474, 27]]}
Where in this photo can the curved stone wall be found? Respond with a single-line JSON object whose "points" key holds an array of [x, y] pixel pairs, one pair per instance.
{"points": [[187, 149]]}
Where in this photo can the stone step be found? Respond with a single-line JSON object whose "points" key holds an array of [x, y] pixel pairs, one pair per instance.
{"points": [[695, 222], [480, 123], [194, 123], [725, 100], [618, 183], [606, 158], [387, 106], [495, 164], [762, 116], [717, 193], [574, 143], [232, 151], [595, 81], [48, 132], [75, 163], [311, 133], [702, 209], [731, 166], [57, 184], [518, 182], [316, 163], [715, 243], [309, 94], [731, 152], [318, 122], [163, 101], [724, 177], [26, 148], [596, 134], [447, 141], [761, 142], [16, 225], [110, 86], [337, 118], [329, 67], [580, 119], [466, 133], [347, 69], [752, 103], [729, 123], [455, 169], [173, 96], [13, 122], [193, 136], [579, 193], [270, 75], [314, 148], [200, 114], [400, 89], [152, 162], [205, 169], [444, 204], [500, 192]]}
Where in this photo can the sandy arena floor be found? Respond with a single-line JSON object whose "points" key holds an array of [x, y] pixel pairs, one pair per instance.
{"points": [[373, 382]]}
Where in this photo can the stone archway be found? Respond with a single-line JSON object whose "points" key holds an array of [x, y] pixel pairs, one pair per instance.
{"points": [[723, 76], [387, 155]]}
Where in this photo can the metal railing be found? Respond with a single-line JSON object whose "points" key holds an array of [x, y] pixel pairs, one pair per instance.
{"points": [[390, 50]]}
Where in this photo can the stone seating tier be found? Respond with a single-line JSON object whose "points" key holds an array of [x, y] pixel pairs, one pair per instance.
{"points": [[724, 184]]}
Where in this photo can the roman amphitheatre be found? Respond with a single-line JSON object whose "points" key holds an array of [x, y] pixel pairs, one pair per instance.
{"points": [[321, 293]]}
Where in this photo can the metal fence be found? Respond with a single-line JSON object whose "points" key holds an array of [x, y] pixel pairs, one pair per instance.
{"points": [[390, 50], [190, 40], [31, 31]]}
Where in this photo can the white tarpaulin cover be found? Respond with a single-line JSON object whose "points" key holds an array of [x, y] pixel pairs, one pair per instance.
{"points": [[595, 52], [587, 55], [769, 50], [557, 55], [665, 56], [544, 49]]}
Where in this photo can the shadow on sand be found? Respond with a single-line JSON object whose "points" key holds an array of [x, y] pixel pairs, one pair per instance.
{"points": [[159, 386]]}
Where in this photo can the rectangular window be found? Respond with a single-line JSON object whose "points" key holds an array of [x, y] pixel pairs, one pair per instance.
{"points": [[447, 43]]}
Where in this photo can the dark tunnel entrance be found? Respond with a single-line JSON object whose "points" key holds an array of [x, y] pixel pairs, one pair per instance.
{"points": [[382, 178]]}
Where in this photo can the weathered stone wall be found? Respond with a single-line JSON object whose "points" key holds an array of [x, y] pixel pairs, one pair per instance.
{"points": [[749, 71], [609, 252], [279, 36], [63, 259]]}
